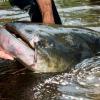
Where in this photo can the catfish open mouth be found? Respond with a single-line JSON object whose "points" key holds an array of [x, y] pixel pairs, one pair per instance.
{"points": [[30, 39], [32, 43], [18, 49]]}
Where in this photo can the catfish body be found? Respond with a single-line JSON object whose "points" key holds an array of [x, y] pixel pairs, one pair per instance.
{"points": [[58, 48]]}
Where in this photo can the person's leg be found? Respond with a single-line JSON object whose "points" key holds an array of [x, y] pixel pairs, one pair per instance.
{"points": [[55, 14], [46, 10], [35, 13], [31, 6], [35, 7], [22, 4]]}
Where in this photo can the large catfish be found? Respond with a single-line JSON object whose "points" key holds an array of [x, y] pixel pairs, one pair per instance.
{"points": [[30, 32], [58, 48]]}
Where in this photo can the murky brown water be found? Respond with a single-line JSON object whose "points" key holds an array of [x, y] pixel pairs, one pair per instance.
{"points": [[83, 83]]}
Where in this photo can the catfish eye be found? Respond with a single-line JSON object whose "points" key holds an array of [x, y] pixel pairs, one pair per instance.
{"points": [[43, 43], [28, 31]]}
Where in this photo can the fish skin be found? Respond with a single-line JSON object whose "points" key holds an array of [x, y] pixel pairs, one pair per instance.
{"points": [[15, 47], [62, 34], [26, 30], [58, 48]]}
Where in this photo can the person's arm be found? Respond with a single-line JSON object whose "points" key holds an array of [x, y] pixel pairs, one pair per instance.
{"points": [[46, 10]]}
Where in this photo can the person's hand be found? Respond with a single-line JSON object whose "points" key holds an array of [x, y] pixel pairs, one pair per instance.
{"points": [[5, 55]]}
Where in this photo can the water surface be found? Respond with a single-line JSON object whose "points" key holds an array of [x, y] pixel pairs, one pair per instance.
{"points": [[83, 83]]}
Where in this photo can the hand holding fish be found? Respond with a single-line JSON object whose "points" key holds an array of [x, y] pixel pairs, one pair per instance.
{"points": [[5, 55]]}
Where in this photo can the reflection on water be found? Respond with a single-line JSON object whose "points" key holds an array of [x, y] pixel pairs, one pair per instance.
{"points": [[83, 83], [73, 12], [12, 14], [79, 12]]}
